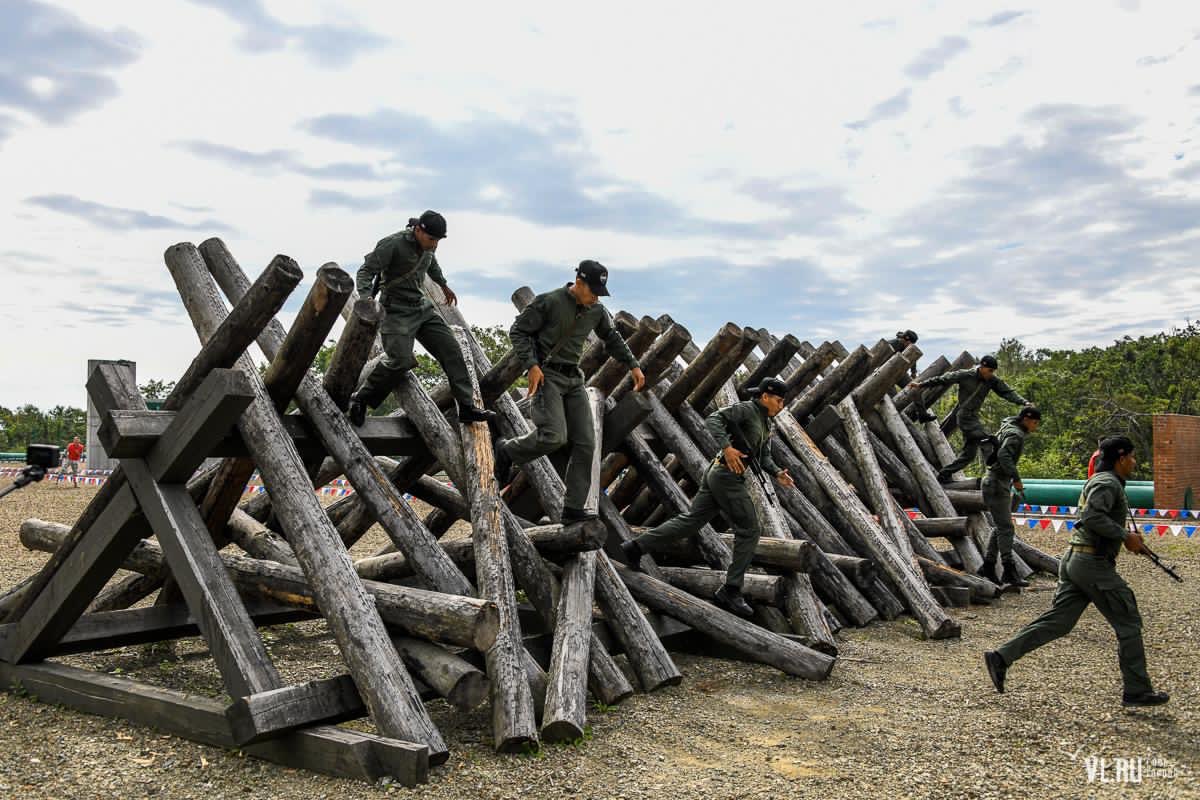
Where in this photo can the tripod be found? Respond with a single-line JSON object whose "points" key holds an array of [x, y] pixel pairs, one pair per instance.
{"points": [[30, 474]]}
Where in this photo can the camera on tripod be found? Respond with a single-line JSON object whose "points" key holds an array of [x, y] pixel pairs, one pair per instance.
{"points": [[38, 458]]}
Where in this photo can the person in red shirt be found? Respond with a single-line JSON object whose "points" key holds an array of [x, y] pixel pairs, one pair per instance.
{"points": [[1095, 459], [71, 465]]}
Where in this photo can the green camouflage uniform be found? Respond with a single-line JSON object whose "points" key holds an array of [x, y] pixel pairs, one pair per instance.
{"points": [[402, 266], [1088, 574], [972, 391], [997, 488], [747, 425], [551, 332]]}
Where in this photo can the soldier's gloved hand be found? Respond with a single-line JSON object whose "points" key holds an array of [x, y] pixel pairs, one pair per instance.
{"points": [[785, 479], [451, 297], [733, 460], [1133, 542], [536, 377], [1020, 487], [639, 378]]}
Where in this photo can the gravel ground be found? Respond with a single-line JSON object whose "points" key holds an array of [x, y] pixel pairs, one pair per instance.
{"points": [[898, 716]]}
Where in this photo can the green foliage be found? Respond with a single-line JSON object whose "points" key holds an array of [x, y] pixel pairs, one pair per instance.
{"points": [[155, 389], [1087, 394], [28, 424]]}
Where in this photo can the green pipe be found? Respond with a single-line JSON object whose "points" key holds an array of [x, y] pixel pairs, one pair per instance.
{"points": [[1066, 493]]}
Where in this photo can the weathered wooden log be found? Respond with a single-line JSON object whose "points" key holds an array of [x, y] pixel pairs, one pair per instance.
{"points": [[462, 684], [353, 349], [566, 697], [726, 339], [454, 620], [125, 592], [223, 348], [748, 639], [924, 474], [649, 659], [878, 545], [557, 542], [723, 371], [1035, 558], [288, 367], [877, 384], [606, 680], [942, 575], [905, 397], [772, 364], [704, 582], [945, 527], [657, 359], [814, 365], [378, 672], [877, 498], [819, 394], [371, 486], [258, 540], [610, 374], [858, 570], [513, 721], [966, 501]]}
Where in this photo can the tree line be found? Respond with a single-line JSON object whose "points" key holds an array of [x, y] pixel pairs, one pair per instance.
{"points": [[1084, 395]]}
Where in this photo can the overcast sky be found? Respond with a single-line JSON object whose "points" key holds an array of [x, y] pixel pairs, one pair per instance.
{"points": [[971, 170]]}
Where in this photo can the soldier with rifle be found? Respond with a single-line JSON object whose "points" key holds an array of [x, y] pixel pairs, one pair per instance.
{"points": [[1002, 477], [741, 431], [1088, 574]]}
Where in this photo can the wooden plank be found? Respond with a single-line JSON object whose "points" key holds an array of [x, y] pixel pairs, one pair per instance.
{"points": [[195, 563], [268, 714], [209, 415], [132, 434], [334, 751], [102, 630], [78, 579]]}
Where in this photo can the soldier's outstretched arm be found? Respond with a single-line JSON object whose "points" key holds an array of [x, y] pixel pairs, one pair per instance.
{"points": [[1008, 393]]}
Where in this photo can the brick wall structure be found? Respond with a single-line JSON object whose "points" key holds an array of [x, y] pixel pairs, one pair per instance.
{"points": [[1176, 460]]}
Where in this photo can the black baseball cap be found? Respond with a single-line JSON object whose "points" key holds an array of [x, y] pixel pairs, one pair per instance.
{"points": [[989, 362], [770, 386], [911, 335], [595, 275], [433, 223]]}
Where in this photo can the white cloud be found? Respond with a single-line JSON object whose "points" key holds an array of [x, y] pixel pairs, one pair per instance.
{"points": [[687, 104]]}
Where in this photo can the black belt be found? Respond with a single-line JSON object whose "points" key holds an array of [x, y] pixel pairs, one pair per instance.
{"points": [[562, 367]]}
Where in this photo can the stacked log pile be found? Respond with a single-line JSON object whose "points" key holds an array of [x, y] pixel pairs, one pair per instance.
{"points": [[432, 616]]}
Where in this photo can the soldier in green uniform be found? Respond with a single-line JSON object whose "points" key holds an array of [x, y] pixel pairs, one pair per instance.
{"points": [[741, 431], [1088, 574], [548, 337], [398, 266], [901, 342], [974, 385], [1002, 477]]}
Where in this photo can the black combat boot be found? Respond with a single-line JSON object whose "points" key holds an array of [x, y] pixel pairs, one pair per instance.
{"points": [[988, 569], [1144, 699], [633, 554], [357, 412], [468, 413], [943, 476], [1010, 576], [730, 597], [996, 669], [502, 462]]}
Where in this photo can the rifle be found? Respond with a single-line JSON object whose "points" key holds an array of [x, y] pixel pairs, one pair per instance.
{"points": [[1153, 556], [752, 463]]}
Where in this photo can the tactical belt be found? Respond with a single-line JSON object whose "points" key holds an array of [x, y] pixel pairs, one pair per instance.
{"points": [[1082, 548], [562, 368]]}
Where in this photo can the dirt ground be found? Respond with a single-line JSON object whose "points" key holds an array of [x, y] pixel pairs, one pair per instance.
{"points": [[898, 716]]}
